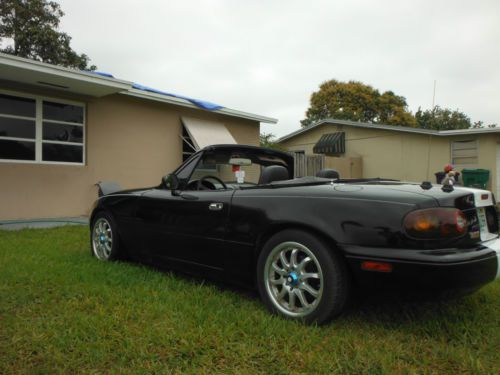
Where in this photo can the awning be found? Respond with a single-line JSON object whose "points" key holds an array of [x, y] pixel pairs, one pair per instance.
{"points": [[205, 133], [331, 143]]}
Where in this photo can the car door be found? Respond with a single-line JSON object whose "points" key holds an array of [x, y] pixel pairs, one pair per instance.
{"points": [[187, 228]]}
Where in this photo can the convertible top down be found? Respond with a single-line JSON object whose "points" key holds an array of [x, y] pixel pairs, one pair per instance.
{"points": [[236, 212]]}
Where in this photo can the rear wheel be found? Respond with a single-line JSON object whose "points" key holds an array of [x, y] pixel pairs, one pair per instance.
{"points": [[104, 237], [299, 277]]}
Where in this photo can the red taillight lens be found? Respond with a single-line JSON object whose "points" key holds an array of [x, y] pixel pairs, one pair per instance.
{"points": [[435, 223]]}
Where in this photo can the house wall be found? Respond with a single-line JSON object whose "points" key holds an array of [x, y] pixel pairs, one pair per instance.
{"points": [[350, 167], [128, 140], [399, 155]]}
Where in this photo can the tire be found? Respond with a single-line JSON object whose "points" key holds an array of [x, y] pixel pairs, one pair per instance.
{"points": [[299, 277], [104, 239]]}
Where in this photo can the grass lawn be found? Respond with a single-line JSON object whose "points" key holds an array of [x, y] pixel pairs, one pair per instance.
{"points": [[62, 311]]}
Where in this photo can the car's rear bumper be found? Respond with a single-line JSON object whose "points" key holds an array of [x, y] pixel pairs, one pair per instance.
{"points": [[430, 270]]}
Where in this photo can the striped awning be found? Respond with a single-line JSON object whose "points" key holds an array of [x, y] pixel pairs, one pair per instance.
{"points": [[331, 143]]}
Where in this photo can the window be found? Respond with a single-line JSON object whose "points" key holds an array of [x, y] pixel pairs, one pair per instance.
{"points": [[188, 148], [41, 130], [464, 152], [17, 128]]}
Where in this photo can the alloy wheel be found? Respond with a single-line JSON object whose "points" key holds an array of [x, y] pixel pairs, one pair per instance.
{"points": [[102, 239], [293, 279]]}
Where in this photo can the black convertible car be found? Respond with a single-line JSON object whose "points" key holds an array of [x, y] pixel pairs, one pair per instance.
{"points": [[236, 212]]}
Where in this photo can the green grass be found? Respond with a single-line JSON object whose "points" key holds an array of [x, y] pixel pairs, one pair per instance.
{"points": [[62, 311]]}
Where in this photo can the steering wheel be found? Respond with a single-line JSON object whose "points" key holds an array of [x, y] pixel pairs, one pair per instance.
{"points": [[200, 186]]}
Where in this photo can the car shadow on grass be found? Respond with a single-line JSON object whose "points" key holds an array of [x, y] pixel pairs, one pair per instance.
{"points": [[386, 308]]}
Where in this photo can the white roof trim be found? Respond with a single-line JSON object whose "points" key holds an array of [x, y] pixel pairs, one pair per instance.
{"points": [[186, 103], [205, 133], [397, 128], [37, 66], [113, 85]]}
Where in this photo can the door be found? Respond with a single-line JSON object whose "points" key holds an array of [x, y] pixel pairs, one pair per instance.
{"points": [[189, 228]]}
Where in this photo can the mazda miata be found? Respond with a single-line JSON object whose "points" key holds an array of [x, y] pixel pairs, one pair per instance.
{"points": [[236, 212]]}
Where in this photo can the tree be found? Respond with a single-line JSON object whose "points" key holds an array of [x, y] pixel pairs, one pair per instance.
{"points": [[30, 27], [443, 119], [268, 140], [480, 124], [356, 101]]}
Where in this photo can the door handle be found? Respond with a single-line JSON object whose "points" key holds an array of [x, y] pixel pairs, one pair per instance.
{"points": [[215, 206]]}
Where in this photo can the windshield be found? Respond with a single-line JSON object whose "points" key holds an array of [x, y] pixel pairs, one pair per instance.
{"points": [[234, 169]]}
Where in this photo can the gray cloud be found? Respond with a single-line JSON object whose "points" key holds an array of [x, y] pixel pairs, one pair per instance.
{"points": [[267, 57]]}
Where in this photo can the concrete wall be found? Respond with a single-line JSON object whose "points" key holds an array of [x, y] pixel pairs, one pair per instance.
{"points": [[131, 141], [398, 155]]}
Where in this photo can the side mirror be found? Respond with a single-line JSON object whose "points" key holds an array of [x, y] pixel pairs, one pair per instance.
{"points": [[170, 182]]}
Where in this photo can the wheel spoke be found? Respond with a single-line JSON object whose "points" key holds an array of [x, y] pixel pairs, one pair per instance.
{"points": [[282, 293], [302, 298], [309, 289], [99, 251], [277, 281], [293, 258], [310, 276], [291, 299], [303, 263], [278, 270], [284, 262]]}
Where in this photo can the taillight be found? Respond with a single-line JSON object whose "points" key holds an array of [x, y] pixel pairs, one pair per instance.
{"points": [[435, 223]]}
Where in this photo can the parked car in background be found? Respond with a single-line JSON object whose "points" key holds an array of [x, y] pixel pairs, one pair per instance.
{"points": [[235, 212]]}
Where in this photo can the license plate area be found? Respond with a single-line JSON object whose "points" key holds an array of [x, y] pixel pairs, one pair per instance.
{"points": [[483, 224]]}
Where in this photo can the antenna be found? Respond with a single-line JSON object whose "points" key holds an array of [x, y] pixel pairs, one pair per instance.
{"points": [[434, 94]]}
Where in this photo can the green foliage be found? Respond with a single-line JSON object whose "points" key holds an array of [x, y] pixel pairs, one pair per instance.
{"points": [[442, 119], [64, 312], [268, 140], [356, 101], [32, 26], [480, 124]]}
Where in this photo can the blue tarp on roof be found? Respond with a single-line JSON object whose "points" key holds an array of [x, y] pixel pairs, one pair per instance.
{"points": [[200, 103], [197, 102], [104, 74]]}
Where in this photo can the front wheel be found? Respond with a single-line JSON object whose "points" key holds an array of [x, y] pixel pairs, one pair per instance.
{"points": [[299, 277], [104, 237]]}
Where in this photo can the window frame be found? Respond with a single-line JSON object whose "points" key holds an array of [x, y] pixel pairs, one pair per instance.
{"points": [[38, 140]]}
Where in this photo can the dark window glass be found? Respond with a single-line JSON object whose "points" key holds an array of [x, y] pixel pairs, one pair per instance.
{"points": [[64, 153], [61, 132], [186, 170], [62, 112], [17, 150], [13, 105], [13, 127]]}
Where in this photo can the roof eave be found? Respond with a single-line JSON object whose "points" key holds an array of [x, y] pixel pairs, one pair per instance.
{"points": [[438, 133], [185, 103], [33, 72]]}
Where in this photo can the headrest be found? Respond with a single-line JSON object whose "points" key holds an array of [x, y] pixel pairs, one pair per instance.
{"points": [[273, 173], [328, 173]]}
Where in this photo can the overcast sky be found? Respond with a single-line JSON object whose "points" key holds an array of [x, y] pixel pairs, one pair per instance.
{"points": [[267, 57]]}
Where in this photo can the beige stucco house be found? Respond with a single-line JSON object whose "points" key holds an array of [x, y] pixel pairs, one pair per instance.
{"points": [[398, 152], [63, 130]]}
